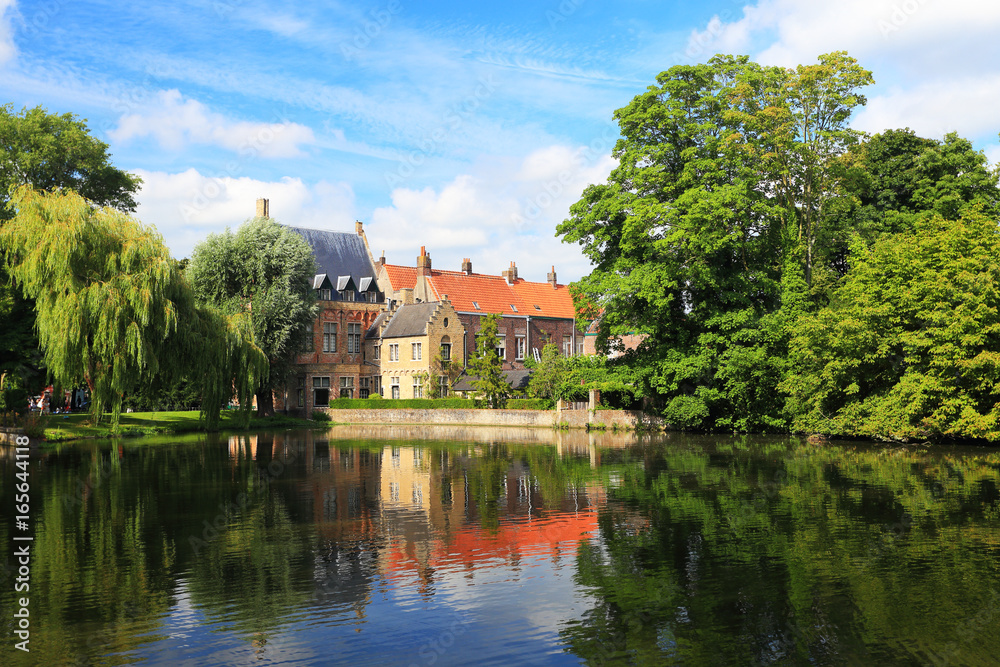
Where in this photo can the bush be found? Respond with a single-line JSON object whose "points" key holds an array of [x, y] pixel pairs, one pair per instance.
{"points": [[530, 404], [320, 416]]}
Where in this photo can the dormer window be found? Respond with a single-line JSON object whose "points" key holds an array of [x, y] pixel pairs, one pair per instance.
{"points": [[347, 295], [324, 295]]}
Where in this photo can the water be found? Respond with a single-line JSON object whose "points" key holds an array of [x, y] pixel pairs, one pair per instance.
{"points": [[412, 546]]}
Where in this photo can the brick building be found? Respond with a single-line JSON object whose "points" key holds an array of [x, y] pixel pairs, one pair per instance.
{"points": [[532, 313], [350, 301]]}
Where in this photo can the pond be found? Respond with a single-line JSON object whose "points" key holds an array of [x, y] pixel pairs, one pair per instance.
{"points": [[438, 546]]}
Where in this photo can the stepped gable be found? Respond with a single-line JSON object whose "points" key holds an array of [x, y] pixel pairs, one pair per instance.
{"points": [[338, 254], [410, 320]]}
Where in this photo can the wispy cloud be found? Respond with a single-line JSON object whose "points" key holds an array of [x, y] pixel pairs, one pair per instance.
{"points": [[176, 122], [8, 50]]}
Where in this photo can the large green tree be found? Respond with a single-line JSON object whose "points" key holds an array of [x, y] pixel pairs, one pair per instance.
{"points": [[708, 236], [113, 308], [909, 346], [48, 152], [266, 270]]}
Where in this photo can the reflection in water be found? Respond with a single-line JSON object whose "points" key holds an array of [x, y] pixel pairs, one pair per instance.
{"points": [[416, 545]]}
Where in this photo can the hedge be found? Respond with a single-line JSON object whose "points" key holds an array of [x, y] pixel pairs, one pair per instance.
{"points": [[432, 403]]}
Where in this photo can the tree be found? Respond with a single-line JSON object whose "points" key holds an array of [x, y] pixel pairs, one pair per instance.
{"points": [[48, 152], [486, 367], [708, 235], [264, 269], [909, 346], [114, 310]]}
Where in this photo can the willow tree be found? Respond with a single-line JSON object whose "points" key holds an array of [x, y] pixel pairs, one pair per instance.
{"points": [[264, 270], [113, 308]]}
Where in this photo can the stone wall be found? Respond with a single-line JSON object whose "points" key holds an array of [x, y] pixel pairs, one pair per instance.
{"points": [[526, 418], [8, 436]]}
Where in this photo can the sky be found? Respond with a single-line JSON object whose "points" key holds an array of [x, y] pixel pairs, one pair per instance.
{"points": [[468, 128]]}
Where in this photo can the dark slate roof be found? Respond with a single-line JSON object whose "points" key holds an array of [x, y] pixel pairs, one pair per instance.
{"points": [[517, 379], [410, 320], [374, 328], [338, 253]]}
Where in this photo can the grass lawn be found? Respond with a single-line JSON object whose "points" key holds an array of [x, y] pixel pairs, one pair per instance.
{"points": [[59, 428]]}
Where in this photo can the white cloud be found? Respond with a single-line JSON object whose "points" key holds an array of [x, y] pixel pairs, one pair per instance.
{"points": [[8, 50], [966, 106], [186, 207], [176, 122], [504, 211], [796, 31]]}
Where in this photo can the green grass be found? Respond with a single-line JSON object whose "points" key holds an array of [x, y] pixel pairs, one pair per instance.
{"points": [[59, 428]]}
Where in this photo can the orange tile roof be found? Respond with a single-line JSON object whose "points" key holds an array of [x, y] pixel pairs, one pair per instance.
{"points": [[492, 293], [551, 302], [401, 276]]}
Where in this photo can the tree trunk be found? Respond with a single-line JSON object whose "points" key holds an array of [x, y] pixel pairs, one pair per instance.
{"points": [[265, 403]]}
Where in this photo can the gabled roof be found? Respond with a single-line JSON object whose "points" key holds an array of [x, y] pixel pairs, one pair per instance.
{"points": [[376, 325], [492, 294], [410, 320], [338, 253], [365, 284], [321, 280], [345, 282], [550, 302]]}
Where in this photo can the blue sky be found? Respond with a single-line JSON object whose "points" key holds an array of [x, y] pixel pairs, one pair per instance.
{"points": [[467, 128]]}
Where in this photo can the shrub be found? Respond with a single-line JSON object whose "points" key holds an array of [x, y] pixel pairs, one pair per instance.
{"points": [[530, 404], [320, 416]]}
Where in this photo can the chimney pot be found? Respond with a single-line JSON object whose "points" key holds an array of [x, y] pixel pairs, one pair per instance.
{"points": [[263, 209]]}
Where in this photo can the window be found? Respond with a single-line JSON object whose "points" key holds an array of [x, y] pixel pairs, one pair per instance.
{"points": [[417, 351], [513, 307], [347, 295], [579, 346], [475, 304], [346, 387], [329, 336], [324, 295], [310, 341], [378, 352], [567, 346], [537, 307], [519, 341], [321, 391], [353, 338], [301, 393], [376, 385], [395, 387], [364, 391], [502, 347], [445, 351], [443, 384], [394, 352], [418, 387], [446, 323]]}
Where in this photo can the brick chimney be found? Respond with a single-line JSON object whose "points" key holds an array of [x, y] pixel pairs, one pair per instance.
{"points": [[510, 274], [359, 227], [552, 278], [381, 260], [423, 263], [263, 210], [467, 266]]}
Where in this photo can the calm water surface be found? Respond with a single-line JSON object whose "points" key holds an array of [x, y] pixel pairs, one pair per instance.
{"points": [[416, 546]]}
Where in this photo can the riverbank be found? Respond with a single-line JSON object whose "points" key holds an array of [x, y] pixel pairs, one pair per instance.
{"points": [[61, 428]]}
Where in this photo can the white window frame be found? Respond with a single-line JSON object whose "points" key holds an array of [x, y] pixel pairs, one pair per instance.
{"points": [[394, 383], [329, 336], [418, 387], [520, 347], [416, 351], [502, 347], [353, 338], [393, 351]]}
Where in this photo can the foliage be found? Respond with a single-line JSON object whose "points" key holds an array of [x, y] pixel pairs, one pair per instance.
{"points": [[264, 269], [731, 216], [910, 344], [48, 152], [114, 310], [378, 403], [450, 370], [557, 377], [320, 416], [486, 367]]}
